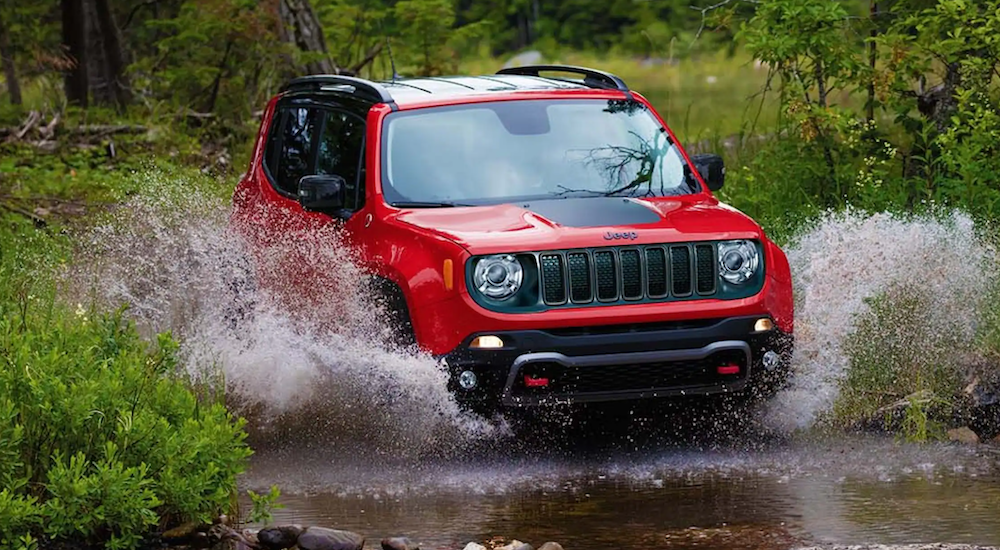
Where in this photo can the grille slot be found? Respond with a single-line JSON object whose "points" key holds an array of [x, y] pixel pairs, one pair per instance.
{"points": [[656, 272], [607, 275], [680, 270], [579, 277], [705, 263], [631, 265], [553, 279]]}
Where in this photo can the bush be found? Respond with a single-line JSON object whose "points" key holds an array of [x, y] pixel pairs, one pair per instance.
{"points": [[901, 352], [101, 438]]}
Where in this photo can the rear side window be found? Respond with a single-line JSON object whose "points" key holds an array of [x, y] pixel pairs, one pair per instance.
{"points": [[289, 154], [341, 153]]}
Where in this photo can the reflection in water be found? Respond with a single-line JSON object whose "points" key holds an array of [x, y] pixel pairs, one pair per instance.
{"points": [[792, 493]]}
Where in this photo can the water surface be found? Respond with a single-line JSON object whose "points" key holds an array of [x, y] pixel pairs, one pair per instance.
{"points": [[790, 492]]}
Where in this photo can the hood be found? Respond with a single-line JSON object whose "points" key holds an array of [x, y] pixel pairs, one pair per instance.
{"points": [[583, 222]]}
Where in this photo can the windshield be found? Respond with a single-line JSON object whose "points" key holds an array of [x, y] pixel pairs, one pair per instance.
{"points": [[490, 153]]}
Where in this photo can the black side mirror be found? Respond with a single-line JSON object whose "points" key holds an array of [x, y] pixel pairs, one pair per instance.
{"points": [[712, 169], [321, 193]]}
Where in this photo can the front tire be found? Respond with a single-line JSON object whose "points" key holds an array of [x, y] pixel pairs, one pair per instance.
{"points": [[395, 314]]}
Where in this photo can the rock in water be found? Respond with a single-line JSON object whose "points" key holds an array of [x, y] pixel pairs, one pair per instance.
{"points": [[963, 435], [399, 543], [279, 538], [319, 538], [551, 546], [517, 545], [474, 546]]}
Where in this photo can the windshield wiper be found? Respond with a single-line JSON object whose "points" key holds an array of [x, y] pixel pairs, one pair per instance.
{"points": [[421, 204]]}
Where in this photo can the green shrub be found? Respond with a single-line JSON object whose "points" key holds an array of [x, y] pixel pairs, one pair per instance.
{"points": [[101, 438], [899, 352]]}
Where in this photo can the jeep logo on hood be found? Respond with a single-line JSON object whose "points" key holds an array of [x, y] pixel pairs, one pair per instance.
{"points": [[628, 235]]}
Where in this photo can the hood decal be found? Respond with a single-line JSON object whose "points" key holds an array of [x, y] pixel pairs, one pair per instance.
{"points": [[592, 212]]}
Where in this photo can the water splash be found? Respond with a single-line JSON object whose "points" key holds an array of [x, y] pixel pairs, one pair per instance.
{"points": [[846, 258], [317, 368], [309, 368]]}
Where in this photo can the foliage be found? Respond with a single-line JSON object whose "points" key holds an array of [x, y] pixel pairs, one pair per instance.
{"points": [[100, 438], [920, 145], [263, 505], [897, 352]]}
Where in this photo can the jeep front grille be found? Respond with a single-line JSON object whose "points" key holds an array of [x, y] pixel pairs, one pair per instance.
{"points": [[653, 272]]}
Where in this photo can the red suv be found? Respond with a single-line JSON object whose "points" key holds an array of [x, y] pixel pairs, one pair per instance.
{"points": [[546, 236]]}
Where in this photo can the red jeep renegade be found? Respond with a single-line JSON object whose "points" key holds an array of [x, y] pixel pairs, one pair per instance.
{"points": [[546, 236]]}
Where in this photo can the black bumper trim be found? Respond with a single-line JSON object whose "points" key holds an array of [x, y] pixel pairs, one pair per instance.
{"points": [[635, 358], [650, 347]]}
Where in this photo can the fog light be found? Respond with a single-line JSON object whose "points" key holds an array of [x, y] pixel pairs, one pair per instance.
{"points": [[485, 342], [467, 380], [763, 324], [771, 360]]}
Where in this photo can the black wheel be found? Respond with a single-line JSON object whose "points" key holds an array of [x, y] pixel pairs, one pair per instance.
{"points": [[389, 298]]}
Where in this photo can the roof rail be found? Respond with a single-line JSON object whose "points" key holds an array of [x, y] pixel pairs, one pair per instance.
{"points": [[591, 77], [343, 84]]}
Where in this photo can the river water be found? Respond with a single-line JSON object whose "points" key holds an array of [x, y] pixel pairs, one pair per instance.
{"points": [[366, 438], [772, 495]]}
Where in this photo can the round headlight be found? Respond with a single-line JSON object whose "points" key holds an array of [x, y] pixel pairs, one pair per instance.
{"points": [[738, 261], [498, 276]]}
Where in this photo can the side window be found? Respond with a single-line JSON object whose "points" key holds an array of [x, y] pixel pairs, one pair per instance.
{"points": [[341, 152], [273, 139], [294, 155]]}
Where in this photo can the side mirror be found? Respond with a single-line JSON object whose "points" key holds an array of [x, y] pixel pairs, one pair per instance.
{"points": [[712, 169], [321, 193]]}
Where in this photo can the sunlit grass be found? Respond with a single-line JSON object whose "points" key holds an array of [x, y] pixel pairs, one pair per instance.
{"points": [[701, 99]]}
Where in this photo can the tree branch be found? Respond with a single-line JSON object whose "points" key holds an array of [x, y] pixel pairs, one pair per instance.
{"points": [[706, 10], [368, 58], [132, 13]]}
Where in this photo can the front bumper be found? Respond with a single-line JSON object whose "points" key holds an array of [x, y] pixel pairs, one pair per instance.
{"points": [[618, 362]]}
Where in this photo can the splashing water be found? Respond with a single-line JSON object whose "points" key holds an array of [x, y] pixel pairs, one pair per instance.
{"points": [[311, 375], [315, 371], [846, 258]]}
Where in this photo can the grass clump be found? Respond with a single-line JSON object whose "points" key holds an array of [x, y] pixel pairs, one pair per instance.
{"points": [[904, 373], [102, 440]]}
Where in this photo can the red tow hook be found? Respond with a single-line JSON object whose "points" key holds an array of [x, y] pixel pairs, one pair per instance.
{"points": [[535, 382], [730, 368]]}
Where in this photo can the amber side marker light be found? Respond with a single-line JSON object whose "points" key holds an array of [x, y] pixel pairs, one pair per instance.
{"points": [[448, 274], [763, 324], [486, 342]]}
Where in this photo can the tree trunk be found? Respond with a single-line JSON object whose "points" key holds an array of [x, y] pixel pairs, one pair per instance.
{"points": [[214, 96], [74, 37], [300, 27], [9, 70], [97, 63], [114, 58]]}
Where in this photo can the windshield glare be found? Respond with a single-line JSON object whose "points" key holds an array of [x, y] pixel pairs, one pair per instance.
{"points": [[490, 153]]}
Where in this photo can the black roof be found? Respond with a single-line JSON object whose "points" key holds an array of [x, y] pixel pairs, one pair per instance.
{"points": [[407, 90]]}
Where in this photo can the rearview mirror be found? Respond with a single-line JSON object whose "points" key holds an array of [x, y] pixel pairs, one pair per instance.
{"points": [[321, 193], [712, 169]]}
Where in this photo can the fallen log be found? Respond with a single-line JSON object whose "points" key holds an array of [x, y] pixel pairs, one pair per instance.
{"points": [[85, 130], [39, 221], [104, 129]]}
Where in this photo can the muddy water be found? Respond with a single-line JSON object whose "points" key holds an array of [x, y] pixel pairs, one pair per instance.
{"points": [[363, 437], [775, 495]]}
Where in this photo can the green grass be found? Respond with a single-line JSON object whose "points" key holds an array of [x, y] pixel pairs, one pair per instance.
{"points": [[712, 95]]}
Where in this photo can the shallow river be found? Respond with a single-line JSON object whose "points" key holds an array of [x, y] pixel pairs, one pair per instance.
{"points": [[774, 494]]}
